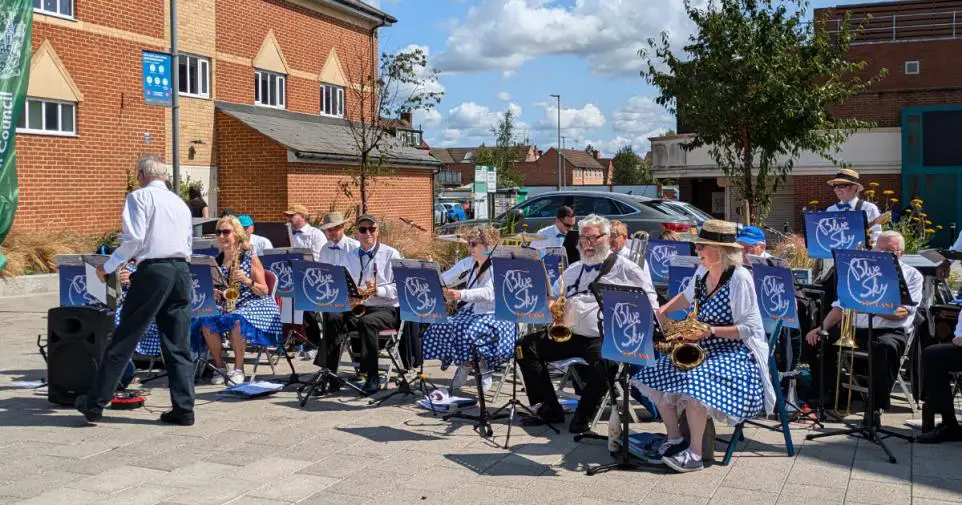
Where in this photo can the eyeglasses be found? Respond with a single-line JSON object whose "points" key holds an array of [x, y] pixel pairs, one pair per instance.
{"points": [[474, 244], [591, 238], [842, 186], [223, 233], [699, 247], [366, 229]]}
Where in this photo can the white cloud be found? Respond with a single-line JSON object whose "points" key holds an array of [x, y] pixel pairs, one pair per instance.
{"points": [[426, 82], [470, 124], [574, 122], [427, 118], [642, 115], [504, 96], [504, 34]]}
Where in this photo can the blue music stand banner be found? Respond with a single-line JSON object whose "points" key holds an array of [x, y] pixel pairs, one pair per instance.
{"points": [[628, 326], [869, 281], [202, 287], [828, 231], [73, 286], [775, 289], [679, 277], [280, 265], [555, 259], [520, 290], [319, 287], [420, 296], [659, 254]]}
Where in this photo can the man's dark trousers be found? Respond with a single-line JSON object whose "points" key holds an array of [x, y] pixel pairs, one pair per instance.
{"points": [[160, 290], [537, 350], [368, 327]]}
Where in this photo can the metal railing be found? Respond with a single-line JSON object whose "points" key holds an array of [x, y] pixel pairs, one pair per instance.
{"points": [[448, 178], [905, 27]]}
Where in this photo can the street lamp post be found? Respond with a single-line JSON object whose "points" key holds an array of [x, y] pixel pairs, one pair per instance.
{"points": [[559, 140]]}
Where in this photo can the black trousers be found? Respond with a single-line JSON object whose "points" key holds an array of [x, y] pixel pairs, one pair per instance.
{"points": [[537, 351], [938, 361], [312, 328], [889, 346], [368, 326], [159, 290]]}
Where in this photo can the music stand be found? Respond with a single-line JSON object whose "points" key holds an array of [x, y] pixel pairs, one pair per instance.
{"points": [[627, 324], [863, 280], [205, 276], [520, 296], [420, 300]]}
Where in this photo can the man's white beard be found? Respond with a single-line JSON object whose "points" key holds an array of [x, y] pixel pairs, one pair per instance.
{"points": [[601, 252]]}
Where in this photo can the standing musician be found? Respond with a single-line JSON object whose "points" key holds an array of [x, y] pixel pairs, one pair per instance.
{"points": [[473, 328], [370, 267], [939, 361], [554, 235], [890, 331], [157, 233], [847, 188], [582, 316], [255, 316], [732, 384], [303, 235], [335, 252]]}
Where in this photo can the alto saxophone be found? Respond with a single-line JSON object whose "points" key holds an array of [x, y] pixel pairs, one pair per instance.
{"points": [[357, 304], [232, 293], [684, 354], [557, 331]]}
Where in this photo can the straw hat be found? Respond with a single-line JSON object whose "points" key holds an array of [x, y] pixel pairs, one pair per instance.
{"points": [[718, 233], [297, 209], [332, 219], [846, 176]]}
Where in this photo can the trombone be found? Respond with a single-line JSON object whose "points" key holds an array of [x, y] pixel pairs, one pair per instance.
{"points": [[846, 341]]}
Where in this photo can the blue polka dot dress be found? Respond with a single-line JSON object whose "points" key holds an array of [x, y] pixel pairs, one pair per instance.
{"points": [[728, 382], [259, 316], [149, 343]]}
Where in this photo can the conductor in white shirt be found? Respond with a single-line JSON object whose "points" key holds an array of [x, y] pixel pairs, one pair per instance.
{"points": [[303, 235], [554, 235], [157, 233], [258, 243]]}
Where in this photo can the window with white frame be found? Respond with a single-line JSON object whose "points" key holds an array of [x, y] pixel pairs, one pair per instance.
{"points": [[912, 67], [270, 89], [55, 7], [48, 117], [332, 100], [194, 76]]}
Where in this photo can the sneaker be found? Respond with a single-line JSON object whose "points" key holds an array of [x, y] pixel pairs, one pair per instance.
{"points": [[309, 355], [236, 376], [941, 433], [684, 462], [218, 377], [668, 448], [486, 382]]}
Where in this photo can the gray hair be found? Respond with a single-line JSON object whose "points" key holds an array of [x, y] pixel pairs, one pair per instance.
{"points": [[152, 167], [594, 221], [891, 235]]}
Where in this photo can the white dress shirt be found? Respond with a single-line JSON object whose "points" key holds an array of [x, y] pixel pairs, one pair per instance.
{"points": [[309, 237], [957, 246], [914, 281], [364, 271], [156, 224], [550, 237], [958, 328], [477, 292], [583, 303], [259, 244], [336, 253], [871, 212]]}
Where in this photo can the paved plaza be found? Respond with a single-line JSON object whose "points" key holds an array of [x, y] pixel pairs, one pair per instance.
{"points": [[269, 451]]}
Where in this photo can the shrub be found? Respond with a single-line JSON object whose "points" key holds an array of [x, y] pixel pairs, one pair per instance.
{"points": [[30, 252]]}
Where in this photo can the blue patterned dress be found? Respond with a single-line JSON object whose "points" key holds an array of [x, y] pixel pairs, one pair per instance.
{"points": [[259, 316], [149, 343], [728, 383]]}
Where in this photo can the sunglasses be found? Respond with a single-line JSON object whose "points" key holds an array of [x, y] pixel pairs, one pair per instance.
{"points": [[699, 247], [366, 229], [223, 233], [474, 244], [568, 226]]}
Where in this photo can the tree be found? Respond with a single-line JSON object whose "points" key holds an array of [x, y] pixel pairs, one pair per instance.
{"points": [[629, 168], [504, 154], [403, 82], [756, 84], [590, 149]]}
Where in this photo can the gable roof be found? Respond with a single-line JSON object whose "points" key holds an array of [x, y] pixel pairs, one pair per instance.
{"points": [[581, 159]]}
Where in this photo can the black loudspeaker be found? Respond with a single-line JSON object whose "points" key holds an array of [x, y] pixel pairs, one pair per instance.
{"points": [[76, 339]]}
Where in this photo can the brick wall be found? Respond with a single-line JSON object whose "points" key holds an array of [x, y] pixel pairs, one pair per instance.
{"points": [[79, 183], [885, 108], [144, 17], [815, 187]]}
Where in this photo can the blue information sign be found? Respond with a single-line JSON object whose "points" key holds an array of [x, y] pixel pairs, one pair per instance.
{"points": [[420, 297], [202, 287], [157, 78], [659, 254], [627, 326], [775, 289], [869, 281], [319, 287], [520, 290], [827, 231]]}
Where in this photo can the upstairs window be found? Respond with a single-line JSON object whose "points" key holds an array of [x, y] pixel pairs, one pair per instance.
{"points": [[62, 8], [48, 117], [332, 100], [194, 76], [270, 89]]}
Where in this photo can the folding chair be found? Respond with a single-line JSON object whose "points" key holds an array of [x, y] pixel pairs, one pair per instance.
{"points": [[774, 329], [271, 279], [845, 357], [390, 349]]}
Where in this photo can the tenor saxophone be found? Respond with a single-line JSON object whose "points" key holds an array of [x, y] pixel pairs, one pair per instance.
{"points": [[232, 293], [557, 331], [684, 354]]}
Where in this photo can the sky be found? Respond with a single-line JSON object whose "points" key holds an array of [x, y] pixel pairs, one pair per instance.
{"points": [[498, 55]]}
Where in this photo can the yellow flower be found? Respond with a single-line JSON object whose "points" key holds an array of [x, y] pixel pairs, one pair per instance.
{"points": [[938, 227], [888, 192], [873, 184], [928, 222], [813, 202], [915, 219], [870, 192], [929, 230], [894, 200], [923, 214]]}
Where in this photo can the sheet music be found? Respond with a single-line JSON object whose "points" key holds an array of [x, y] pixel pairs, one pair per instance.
{"points": [[95, 288]]}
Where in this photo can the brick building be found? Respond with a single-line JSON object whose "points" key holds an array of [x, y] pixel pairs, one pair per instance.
{"points": [[916, 109], [538, 168], [291, 61]]}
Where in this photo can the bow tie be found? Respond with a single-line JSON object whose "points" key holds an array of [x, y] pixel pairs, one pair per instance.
{"points": [[592, 268], [561, 235], [298, 232], [843, 206], [361, 254], [334, 248]]}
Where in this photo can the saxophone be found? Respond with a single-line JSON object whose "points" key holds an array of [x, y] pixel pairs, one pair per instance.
{"points": [[232, 293], [684, 354], [357, 304], [557, 331]]}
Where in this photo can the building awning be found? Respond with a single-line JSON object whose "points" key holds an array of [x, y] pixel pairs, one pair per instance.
{"points": [[322, 139]]}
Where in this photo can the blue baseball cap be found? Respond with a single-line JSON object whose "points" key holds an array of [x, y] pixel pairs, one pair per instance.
{"points": [[750, 235], [245, 220]]}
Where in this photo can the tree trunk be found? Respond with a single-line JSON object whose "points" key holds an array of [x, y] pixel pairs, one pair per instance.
{"points": [[362, 176]]}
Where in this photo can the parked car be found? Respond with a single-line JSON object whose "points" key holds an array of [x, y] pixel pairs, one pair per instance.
{"points": [[637, 212], [686, 209], [440, 214]]}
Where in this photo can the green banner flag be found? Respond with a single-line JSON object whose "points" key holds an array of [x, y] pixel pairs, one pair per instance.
{"points": [[16, 17]]}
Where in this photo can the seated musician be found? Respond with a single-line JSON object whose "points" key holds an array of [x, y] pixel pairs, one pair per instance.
{"points": [[847, 188], [752, 240], [370, 267], [597, 263], [890, 332], [255, 318], [732, 384], [939, 361], [473, 328], [620, 243], [335, 252]]}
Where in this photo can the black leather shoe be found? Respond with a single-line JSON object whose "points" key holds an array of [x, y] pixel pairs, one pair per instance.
{"points": [[80, 403], [545, 416], [177, 417], [940, 434], [579, 424], [371, 385], [334, 384]]}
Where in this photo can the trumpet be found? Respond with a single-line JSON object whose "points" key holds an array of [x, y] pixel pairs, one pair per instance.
{"points": [[557, 331], [684, 354]]}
